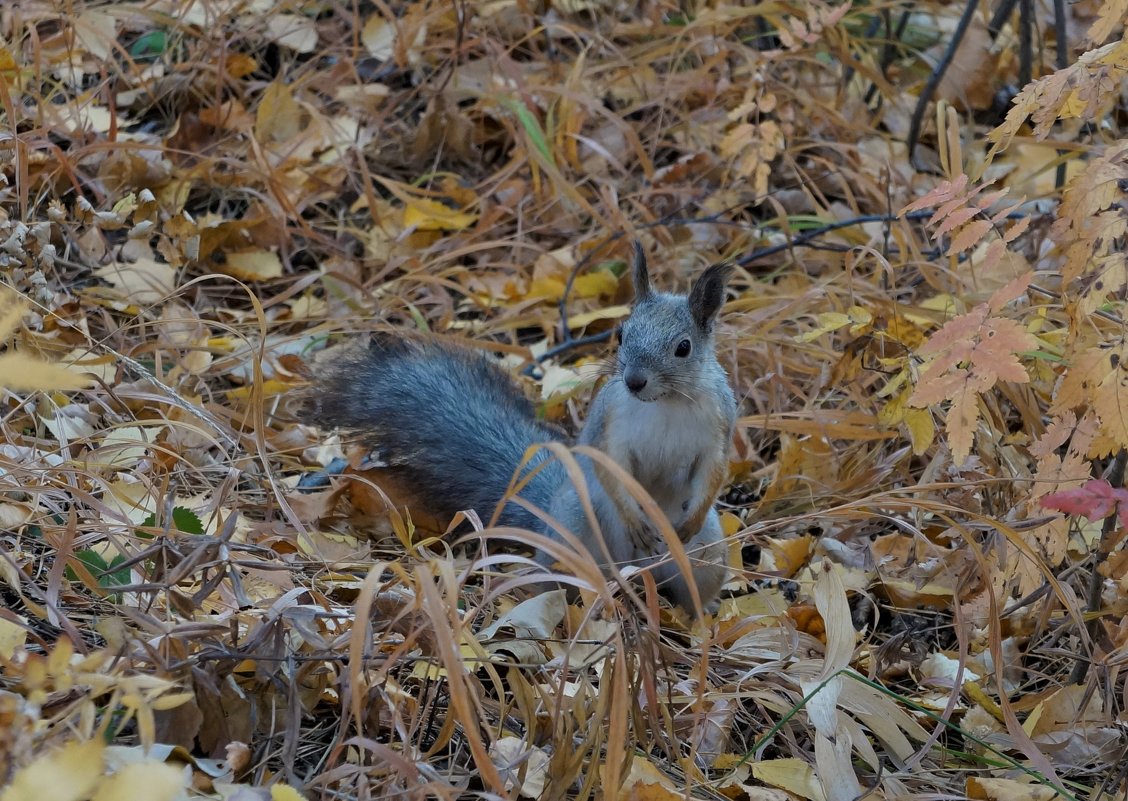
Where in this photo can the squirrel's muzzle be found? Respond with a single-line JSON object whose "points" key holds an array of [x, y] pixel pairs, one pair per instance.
{"points": [[636, 381]]}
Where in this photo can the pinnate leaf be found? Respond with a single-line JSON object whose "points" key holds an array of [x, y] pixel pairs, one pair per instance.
{"points": [[1079, 91], [1098, 377], [1111, 15], [942, 194], [971, 353], [969, 236]]}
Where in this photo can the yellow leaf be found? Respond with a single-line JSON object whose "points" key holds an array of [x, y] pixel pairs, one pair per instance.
{"points": [[124, 447], [604, 313], [284, 792], [172, 701], [126, 206], [25, 374], [786, 555], [143, 781], [379, 37], [12, 307], [730, 524], [12, 636], [1112, 15], [1073, 106], [1008, 790], [828, 321], [424, 214], [546, 288], [279, 117], [791, 774], [974, 691], [253, 265], [600, 283], [763, 603], [424, 671], [922, 430], [68, 774]]}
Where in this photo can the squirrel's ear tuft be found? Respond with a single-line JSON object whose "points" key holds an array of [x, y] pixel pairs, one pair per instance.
{"points": [[640, 273], [708, 294]]}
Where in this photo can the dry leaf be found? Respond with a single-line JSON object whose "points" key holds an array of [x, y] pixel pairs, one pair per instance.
{"points": [[279, 117], [252, 265], [25, 374], [72, 773], [430, 215]]}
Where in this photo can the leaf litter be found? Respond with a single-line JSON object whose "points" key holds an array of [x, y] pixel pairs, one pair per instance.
{"points": [[925, 520]]}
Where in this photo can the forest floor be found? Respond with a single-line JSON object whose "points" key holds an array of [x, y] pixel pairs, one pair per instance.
{"points": [[924, 332]]}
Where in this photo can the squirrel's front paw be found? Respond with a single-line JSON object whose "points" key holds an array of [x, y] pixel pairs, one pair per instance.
{"points": [[645, 538]]}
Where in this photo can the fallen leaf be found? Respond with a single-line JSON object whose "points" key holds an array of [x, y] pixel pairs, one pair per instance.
{"points": [[146, 781], [72, 773], [25, 374], [423, 214], [252, 265]]}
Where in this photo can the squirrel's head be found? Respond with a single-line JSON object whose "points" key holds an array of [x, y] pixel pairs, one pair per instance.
{"points": [[666, 344]]}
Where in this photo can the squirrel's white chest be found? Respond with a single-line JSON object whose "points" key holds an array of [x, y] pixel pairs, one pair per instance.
{"points": [[663, 446]]}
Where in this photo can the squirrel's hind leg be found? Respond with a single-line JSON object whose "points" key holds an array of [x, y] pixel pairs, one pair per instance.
{"points": [[708, 556]]}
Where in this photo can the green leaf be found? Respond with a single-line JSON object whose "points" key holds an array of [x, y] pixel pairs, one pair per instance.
{"points": [[532, 128], [104, 572], [150, 45], [187, 521], [92, 559], [617, 267], [184, 520]]}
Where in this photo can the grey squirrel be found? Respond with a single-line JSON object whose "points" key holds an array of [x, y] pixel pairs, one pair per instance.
{"points": [[456, 426]]}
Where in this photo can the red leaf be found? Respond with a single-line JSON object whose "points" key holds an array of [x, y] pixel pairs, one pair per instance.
{"points": [[1094, 500]]}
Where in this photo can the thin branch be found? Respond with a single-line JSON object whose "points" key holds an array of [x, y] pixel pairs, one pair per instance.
{"points": [[1025, 41], [1000, 17], [1109, 537], [1061, 45], [934, 81]]}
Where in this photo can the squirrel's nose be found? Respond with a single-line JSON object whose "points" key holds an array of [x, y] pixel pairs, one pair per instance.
{"points": [[635, 383]]}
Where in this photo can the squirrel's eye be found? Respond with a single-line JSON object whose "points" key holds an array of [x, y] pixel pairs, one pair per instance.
{"points": [[683, 349]]}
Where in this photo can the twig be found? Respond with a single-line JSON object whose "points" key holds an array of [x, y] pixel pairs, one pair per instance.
{"points": [[934, 81], [564, 347], [888, 51], [1025, 41], [1061, 45], [869, 33], [1109, 536], [1000, 17], [814, 233]]}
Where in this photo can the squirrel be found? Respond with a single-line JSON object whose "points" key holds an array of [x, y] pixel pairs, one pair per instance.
{"points": [[457, 427]]}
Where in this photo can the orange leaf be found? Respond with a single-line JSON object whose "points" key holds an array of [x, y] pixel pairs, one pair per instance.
{"points": [[969, 236], [1097, 377], [972, 353]]}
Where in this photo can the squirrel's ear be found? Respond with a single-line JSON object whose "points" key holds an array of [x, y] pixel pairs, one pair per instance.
{"points": [[640, 273], [708, 294]]}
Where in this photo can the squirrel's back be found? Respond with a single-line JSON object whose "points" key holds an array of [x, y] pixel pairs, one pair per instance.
{"points": [[451, 421]]}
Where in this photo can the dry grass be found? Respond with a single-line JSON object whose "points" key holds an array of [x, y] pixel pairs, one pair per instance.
{"points": [[200, 196]]}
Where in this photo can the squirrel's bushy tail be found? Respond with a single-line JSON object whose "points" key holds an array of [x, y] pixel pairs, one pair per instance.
{"points": [[453, 423]]}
